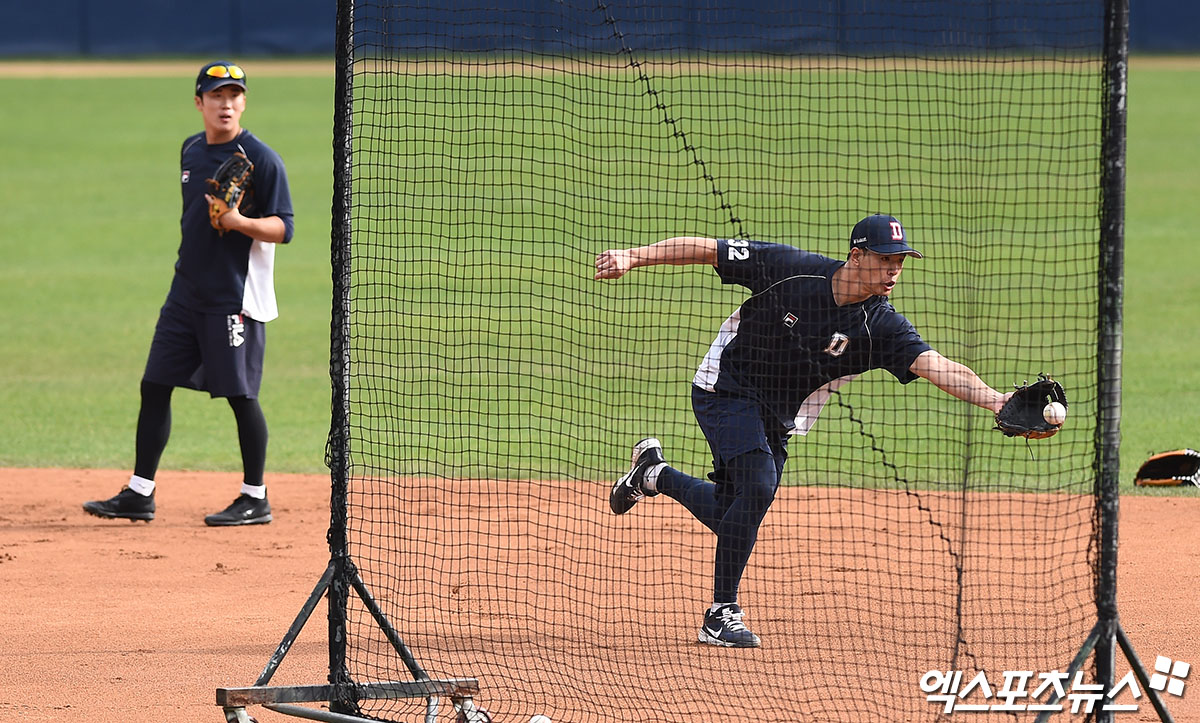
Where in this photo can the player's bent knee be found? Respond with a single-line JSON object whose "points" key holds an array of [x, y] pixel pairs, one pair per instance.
{"points": [[756, 478]]}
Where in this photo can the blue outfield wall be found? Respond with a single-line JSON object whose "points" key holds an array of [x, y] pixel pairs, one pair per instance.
{"points": [[123, 28], [111, 28]]}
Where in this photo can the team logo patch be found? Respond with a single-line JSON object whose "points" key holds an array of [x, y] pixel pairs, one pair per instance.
{"points": [[183, 178], [790, 319], [237, 330], [837, 344]]}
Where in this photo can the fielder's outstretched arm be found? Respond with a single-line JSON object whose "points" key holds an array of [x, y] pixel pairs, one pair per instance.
{"points": [[958, 381], [614, 263]]}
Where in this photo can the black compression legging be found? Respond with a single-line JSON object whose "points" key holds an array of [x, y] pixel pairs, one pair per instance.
{"points": [[252, 436], [154, 430]]}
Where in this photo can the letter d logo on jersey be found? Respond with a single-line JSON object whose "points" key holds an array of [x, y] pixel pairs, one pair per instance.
{"points": [[837, 344], [237, 330]]}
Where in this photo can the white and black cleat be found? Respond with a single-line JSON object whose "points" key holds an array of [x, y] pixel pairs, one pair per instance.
{"points": [[630, 489]]}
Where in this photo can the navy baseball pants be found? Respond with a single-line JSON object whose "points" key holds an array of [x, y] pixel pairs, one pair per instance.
{"points": [[748, 458]]}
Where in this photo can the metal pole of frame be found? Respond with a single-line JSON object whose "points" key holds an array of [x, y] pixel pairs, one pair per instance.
{"points": [[337, 451]]}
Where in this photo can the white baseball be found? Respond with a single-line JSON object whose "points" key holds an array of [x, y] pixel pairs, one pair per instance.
{"points": [[1054, 413], [540, 719]]}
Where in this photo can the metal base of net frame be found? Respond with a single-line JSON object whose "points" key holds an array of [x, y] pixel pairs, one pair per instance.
{"points": [[282, 699]]}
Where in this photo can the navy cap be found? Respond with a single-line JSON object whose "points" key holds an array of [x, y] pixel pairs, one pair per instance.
{"points": [[881, 234], [220, 73]]}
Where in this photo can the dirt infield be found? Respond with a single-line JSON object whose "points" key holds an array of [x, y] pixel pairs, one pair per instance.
{"points": [[151, 68], [115, 621]]}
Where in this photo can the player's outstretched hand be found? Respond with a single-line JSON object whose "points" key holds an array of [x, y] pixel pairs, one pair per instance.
{"points": [[613, 264], [1034, 411]]}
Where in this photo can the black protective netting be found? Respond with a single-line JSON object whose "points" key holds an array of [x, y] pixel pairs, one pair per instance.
{"points": [[495, 388]]}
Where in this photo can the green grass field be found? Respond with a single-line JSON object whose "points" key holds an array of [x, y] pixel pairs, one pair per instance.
{"points": [[89, 247], [91, 234]]}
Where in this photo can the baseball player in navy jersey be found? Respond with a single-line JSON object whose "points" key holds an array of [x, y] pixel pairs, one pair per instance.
{"points": [[210, 333], [810, 325]]}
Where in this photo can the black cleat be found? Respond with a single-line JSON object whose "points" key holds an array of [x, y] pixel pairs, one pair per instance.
{"points": [[628, 490], [245, 510], [127, 504], [726, 629]]}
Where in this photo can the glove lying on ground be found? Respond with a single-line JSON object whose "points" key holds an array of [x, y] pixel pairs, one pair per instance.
{"points": [[1179, 467]]}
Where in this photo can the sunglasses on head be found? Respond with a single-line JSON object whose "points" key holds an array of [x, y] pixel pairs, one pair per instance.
{"points": [[226, 71]]}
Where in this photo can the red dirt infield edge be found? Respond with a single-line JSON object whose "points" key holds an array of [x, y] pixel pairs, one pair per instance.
{"points": [[118, 621]]}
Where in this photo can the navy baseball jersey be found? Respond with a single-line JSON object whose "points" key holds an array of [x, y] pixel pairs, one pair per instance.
{"points": [[230, 273], [790, 345]]}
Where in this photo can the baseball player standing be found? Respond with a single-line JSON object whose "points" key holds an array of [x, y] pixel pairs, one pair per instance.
{"points": [[810, 325], [210, 334]]}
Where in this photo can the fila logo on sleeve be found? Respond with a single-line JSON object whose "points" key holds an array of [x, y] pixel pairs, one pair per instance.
{"points": [[183, 177]]}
